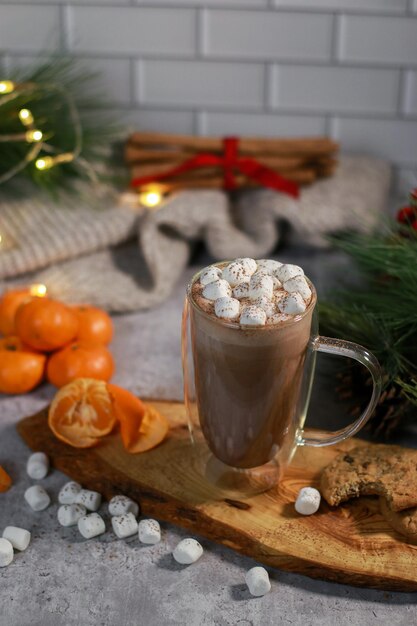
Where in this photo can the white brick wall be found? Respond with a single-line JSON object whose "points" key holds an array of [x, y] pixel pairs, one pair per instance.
{"points": [[284, 67]]}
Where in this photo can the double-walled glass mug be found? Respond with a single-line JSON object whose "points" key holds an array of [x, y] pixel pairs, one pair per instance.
{"points": [[247, 391]]}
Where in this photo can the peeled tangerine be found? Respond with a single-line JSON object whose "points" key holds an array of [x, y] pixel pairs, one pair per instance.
{"points": [[5, 480], [142, 427], [87, 409], [82, 412]]}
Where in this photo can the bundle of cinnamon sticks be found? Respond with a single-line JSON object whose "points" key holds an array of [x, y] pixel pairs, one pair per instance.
{"points": [[301, 160]]}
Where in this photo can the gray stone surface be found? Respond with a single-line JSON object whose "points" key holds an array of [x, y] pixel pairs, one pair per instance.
{"points": [[63, 580]]}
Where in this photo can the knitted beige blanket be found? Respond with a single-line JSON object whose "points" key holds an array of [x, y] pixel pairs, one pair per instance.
{"points": [[89, 249]]}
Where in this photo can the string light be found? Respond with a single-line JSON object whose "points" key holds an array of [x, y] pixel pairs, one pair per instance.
{"points": [[44, 163], [38, 289], [26, 117], [33, 135], [150, 198], [6, 86]]}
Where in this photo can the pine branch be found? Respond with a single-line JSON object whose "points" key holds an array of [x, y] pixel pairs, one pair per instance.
{"points": [[57, 82], [381, 312]]}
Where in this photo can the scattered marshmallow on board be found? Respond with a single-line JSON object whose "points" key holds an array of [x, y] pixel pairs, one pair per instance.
{"points": [[257, 580], [119, 505], [124, 525], [91, 525], [37, 498], [6, 552], [37, 466], [69, 514], [308, 501], [69, 492], [18, 537], [90, 499], [188, 551], [149, 531]]}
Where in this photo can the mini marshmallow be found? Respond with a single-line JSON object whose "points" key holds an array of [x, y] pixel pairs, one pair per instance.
{"points": [[210, 274], [37, 466], [18, 537], [241, 291], [268, 265], [287, 271], [249, 264], [91, 525], [217, 289], [227, 308], [292, 304], [308, 501], [257, 580], [149, 531], [298, 284], [253, 316], [124, 525], [277, 283], [235, 274], [119, 505], [37, 498], [265, 304], [6, 552], [260, 285], [187, 551], [90, 499], [69, 514], [69, 492]]}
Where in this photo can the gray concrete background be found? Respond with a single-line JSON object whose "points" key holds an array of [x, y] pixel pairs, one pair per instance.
{"points": [[63, 580]]}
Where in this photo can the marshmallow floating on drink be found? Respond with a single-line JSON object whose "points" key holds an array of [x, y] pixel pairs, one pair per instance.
{"points": [[253, 293]]}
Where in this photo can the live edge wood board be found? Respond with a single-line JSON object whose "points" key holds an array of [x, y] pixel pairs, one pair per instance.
{"points": [[350, 544]]}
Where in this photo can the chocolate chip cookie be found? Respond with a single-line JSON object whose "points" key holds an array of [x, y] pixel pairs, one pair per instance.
{"points": [[389, 471], [404, 522]]}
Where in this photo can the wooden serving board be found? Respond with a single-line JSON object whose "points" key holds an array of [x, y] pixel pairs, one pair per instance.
{"points": [[350, 544]]}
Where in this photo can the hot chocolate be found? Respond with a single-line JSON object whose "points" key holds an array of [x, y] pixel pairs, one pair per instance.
{"points": [[250, 326]]}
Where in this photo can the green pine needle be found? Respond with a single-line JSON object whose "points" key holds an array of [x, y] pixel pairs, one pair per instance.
{"points": [[51, 113], [381, 312]]}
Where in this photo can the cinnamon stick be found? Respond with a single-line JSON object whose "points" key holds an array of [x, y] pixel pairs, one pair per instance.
{"points": [[253, 145]]}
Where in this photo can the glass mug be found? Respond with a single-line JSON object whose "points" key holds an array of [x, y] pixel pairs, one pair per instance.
{"points": [[247, 392]]}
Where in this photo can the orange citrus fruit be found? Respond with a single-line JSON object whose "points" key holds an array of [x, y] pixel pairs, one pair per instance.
{"points": [[82, 412]]}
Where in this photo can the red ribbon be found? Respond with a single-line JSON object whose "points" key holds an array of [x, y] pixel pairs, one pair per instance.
{"points": [[229, 161]]}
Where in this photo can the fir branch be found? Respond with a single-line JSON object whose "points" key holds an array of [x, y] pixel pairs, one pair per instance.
{"points": [[56, 82], [381, 312]]}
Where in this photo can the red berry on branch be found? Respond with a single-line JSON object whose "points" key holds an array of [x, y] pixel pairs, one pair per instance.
{"points": [[406, 215]]}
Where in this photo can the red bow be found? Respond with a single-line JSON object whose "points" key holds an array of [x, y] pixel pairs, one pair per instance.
{"points": [[229, 161]]}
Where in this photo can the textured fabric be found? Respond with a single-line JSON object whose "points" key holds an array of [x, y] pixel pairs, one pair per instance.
{"points": [[142, 274]]}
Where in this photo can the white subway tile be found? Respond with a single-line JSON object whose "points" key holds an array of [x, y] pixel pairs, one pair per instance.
{"points": [[266, 34], [335, 88], [30, 28], [161, 120], [214, 3], [202, 83], [389, 40], [394, 140], [133, 30], [376, 6], [263, 125], [411, 93], [113, 78], [406, 180]]}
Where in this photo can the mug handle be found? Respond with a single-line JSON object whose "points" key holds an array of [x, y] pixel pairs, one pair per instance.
{"points": [[364, 356]]}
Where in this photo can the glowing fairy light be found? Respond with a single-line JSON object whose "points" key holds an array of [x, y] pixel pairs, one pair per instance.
{"points": [[6, 86], [150, 198], [26, 117], [33, 136], [44, 163], [38, 289]]}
